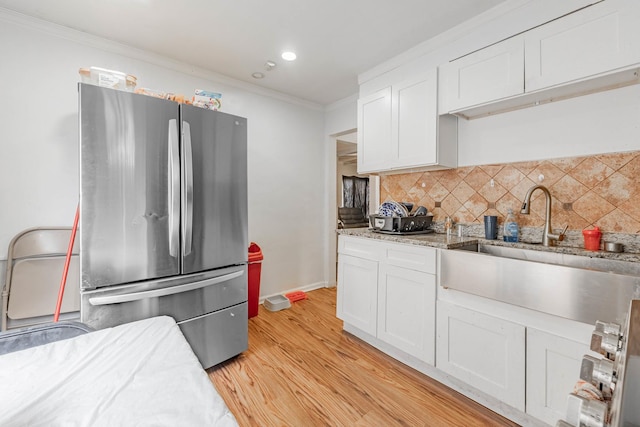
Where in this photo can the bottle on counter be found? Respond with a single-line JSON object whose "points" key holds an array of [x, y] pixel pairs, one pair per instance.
{"points": [[510, 230], [448, 225]]}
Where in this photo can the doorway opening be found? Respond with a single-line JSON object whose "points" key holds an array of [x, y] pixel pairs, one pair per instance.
{"points": [[347, 166], [347, 178], [353, 212]]}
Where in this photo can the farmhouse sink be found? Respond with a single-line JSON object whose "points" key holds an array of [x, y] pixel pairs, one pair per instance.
{"points": [[575, 287], [556, 258]]}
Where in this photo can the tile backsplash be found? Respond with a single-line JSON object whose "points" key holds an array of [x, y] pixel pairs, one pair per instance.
{"points": [[601, 190]]}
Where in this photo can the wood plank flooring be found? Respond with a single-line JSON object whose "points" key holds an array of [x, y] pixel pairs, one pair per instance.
{"points": [[301, 369]]}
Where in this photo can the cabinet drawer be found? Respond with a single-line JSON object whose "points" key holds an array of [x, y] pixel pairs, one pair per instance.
{"points": [[416, 258], [218, 336], [360, 247]]}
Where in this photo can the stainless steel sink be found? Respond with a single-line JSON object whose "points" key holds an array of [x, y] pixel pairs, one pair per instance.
{"points": [[576, 287], [556, 258]]}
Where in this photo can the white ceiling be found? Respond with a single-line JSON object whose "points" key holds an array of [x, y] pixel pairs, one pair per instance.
{"points": [[335, 40]]}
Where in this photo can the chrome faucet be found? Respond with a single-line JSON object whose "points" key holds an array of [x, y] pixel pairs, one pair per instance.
{"points": [[548, 238]]}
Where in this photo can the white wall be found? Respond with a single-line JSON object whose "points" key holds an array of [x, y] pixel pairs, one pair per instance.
{"points": [[39, 145]]}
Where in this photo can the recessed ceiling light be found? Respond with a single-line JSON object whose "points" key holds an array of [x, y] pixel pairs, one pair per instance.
{"points": [[257, 75], [289, 56]]}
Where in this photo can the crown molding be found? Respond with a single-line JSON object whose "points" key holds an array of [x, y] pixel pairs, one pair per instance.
{"points": [[341, 103], [56, 30]]}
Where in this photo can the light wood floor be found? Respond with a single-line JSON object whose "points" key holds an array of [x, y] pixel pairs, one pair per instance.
{"points": [[301, 369]]}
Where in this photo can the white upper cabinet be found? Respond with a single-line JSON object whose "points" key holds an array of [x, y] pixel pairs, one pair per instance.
{"points": [[598, 39], [399, 127], [414, 130], [592, 49], [374, 131], [489, 74]]}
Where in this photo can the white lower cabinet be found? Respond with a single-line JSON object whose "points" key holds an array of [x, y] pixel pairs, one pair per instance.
{"points": [[485, 352], [553, 365], [388, 290], [527, 368], [358, 292], [406, 311]]}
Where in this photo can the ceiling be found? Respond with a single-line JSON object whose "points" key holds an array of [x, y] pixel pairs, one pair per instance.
{"points": [[335, 40]]}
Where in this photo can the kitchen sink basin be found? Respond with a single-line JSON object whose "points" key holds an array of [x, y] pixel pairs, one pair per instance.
{"points": [[557, 258], [575, 287]]}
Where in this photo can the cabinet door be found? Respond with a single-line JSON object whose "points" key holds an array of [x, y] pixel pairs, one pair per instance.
{"points": [[406, 311], [553, 366], [488, 74], [358, 292], [414, 120], [597, 39], [483, 351], [374, 132]]}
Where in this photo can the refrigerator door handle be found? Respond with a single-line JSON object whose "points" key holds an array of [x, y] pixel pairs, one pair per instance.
{"points": [[187, 201], [173, 189], [155, 293]]}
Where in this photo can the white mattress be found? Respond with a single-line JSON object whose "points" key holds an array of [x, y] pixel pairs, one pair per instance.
{"points": [[142, 373]]}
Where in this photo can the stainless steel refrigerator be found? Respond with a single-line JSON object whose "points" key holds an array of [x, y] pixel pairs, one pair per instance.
{"points": [[163, 217]]}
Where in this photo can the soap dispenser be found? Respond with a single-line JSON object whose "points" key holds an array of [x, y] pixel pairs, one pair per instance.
{"points": [[510, 230]]}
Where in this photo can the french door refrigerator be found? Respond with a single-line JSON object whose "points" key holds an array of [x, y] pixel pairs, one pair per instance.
{"points": [[163, 218]]}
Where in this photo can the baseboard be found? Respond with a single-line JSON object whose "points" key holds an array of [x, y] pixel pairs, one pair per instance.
{"points": [[306, 288]]}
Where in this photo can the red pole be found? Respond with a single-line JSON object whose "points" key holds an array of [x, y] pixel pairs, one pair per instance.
{"points": [[67, 261]]}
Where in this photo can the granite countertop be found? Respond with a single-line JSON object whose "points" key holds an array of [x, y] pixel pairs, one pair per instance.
{"points": [[434, 240], [442, 241]]}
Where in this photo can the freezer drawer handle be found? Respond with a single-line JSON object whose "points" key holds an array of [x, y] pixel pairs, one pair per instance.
{"points": [[135, 296]]}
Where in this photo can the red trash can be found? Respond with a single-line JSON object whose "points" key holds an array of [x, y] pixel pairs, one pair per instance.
{"points": [[255, 266]]}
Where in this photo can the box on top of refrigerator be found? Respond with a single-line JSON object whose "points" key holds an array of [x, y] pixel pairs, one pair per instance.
{"points": [[108, 78], [207, 99]]}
